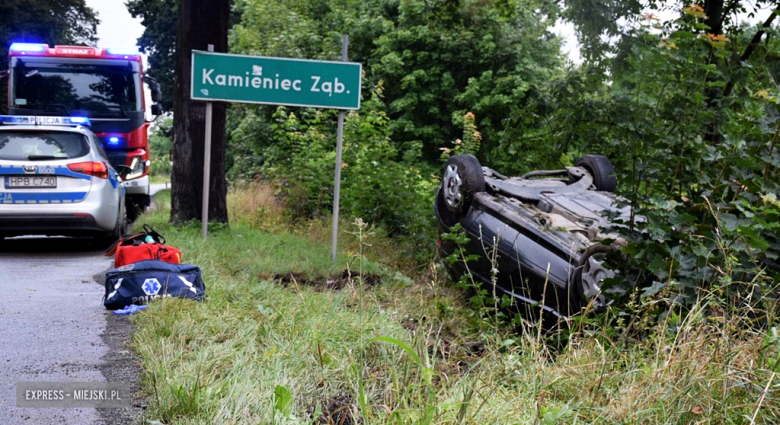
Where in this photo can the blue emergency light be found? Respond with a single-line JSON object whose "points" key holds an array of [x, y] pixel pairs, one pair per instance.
{"points": [[122, 51], [113, 140], [28, 47], [35, 120]]}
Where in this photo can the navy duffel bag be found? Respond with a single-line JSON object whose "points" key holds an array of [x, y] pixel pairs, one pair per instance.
{"points": [[143, 281]]}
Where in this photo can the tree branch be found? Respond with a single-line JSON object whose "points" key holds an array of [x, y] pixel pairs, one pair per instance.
{"points": [[757, 38], [729, 8], [752, 47]]}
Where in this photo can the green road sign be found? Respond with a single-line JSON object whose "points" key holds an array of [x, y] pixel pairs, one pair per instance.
{"points": [[275, 81]]}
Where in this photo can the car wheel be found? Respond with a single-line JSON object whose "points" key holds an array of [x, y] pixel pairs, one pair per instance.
{"points": [[588, 275], [119, 229], [462, 178], [602, 171], [448, 218]]}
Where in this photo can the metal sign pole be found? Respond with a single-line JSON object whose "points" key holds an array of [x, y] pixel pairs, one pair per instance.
{"points": [[204, 215], [337, 185]]}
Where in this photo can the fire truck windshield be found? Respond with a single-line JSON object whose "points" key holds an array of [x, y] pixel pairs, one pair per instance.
{"points": [[95, 88]]}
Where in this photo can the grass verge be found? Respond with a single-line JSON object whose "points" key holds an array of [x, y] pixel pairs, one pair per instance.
{"points": [[277, 342]]}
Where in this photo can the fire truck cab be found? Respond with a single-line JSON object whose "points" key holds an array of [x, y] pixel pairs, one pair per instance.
{"points": [[102, 84]]}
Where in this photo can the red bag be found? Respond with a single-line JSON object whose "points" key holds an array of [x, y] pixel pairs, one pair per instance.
{"points": [[126, 254], [131, 248]]}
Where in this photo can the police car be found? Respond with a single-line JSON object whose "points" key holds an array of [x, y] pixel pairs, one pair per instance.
{"points": [[55, 179]]}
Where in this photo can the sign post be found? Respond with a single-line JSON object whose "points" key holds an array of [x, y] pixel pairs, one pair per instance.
{"points": [[204, 214], [337, 180], [276, 81]]}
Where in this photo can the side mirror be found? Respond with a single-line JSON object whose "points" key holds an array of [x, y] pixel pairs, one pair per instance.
{"points": [[154, 88], [156, 92], [157, 109]]}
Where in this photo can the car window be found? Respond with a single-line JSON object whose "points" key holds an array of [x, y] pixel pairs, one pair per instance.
{"points": [[100, 150], [42, 145]]}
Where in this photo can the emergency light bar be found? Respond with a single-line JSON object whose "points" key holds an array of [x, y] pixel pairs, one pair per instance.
{"points": [[28, 47], [33, 120], [44, 49], [122, 51]]}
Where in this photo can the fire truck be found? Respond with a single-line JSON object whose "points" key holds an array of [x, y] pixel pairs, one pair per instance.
{"points": [[103, 84]]}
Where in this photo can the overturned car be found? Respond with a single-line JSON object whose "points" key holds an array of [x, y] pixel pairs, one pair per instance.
{"points": [[540, 237]]}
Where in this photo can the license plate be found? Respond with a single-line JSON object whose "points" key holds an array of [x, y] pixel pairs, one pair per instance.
{"points": [[31, 182]]}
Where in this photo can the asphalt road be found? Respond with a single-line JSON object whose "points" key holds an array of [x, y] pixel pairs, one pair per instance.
{"points": [[52, 323]]}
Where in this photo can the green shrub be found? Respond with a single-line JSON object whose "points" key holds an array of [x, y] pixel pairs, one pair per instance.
{"points": [[160, 144], [378, 183]]}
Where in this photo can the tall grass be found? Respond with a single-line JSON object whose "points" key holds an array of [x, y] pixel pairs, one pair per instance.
{"points": [[260, 352]]}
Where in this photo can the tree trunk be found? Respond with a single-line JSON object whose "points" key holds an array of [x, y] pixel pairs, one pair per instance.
{"points": [[714, 11], [201, 22]]}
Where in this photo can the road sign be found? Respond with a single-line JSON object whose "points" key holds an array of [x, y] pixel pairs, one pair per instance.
{"points": [[275, 81]]}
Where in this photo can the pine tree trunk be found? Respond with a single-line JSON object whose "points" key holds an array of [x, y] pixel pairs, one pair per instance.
{"points": [[201, 22]]}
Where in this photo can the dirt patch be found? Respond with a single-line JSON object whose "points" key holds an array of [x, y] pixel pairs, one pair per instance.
{"points": [[410, 323], [336, 283], [337, 410]]}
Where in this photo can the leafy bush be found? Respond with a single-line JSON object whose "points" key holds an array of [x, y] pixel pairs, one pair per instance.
{"points": [[692, 135], [160, 143], [378, 183]]}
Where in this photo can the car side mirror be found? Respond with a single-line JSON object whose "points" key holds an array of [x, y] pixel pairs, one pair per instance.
{"points": [[157, 109], [123, 170], [156, 92], [154, 88]]}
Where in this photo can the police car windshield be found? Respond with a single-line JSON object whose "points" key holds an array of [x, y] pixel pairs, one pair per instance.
{"points": [[96, 88], [41, 145]]}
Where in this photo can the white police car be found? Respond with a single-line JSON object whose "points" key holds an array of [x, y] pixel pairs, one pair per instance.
{"points": [[55, 179]]}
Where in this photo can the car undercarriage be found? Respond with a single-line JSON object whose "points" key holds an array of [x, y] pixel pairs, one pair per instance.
{"points": [[541, 237]]}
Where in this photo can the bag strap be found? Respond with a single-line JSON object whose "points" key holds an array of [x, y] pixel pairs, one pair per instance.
{"points": [[153, 233], [136, 239], [125, 239], [161, 250]]}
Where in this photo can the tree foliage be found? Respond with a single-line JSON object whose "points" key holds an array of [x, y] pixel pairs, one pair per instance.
{"points": [[443, 59], [690, 119], [160, 20], [44, 21], [437, 60]]}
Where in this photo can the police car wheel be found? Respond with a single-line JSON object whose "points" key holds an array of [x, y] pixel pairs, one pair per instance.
{"points": [[119, 229]]}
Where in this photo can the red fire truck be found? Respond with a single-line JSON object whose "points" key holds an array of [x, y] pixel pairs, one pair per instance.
{"points": [[104, 85]]}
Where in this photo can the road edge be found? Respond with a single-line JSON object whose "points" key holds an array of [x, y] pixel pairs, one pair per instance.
{"points": [[120, 364]]}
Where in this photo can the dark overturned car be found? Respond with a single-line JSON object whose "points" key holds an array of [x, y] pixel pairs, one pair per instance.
{"points": [[541, 237]]}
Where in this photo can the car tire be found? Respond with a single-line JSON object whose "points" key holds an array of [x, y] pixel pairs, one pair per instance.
{"points": [[447, 217], [462, 178], [602, 171], [119, 229], [580, 293]]}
